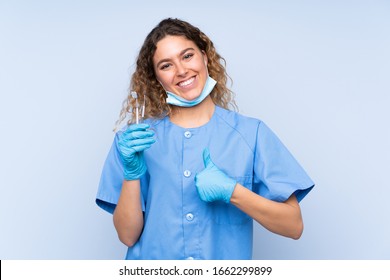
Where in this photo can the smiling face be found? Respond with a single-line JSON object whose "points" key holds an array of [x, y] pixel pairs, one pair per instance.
{"points": [[180, 66]]}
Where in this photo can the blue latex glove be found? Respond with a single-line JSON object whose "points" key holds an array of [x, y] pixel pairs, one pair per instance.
{"points": [[212, 184], [131, 144]]}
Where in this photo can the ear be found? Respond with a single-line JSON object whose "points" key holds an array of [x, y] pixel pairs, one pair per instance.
{"points": [[160, 83], [204, 58]]}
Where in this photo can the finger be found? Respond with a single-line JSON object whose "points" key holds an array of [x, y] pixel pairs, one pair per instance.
{"points": [[128, 136], [138, 142], [141, 148], [128, 145], [137, 127]]}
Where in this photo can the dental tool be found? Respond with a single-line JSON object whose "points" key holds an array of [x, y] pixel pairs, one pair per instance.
{"points": [[143, 108], [135, 96], [137, 108]]}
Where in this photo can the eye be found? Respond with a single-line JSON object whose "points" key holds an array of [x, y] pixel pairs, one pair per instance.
{"points": [[165, 66], [188, 55]]}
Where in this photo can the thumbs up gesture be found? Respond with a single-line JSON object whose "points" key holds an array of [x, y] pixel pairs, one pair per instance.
{"points": [[212, 184]]}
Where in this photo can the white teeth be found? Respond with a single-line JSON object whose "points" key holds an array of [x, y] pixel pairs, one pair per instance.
{"points": [[186, 83]]}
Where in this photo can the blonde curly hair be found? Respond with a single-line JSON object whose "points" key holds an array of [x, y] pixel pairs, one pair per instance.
{"points": [[150, 91]]}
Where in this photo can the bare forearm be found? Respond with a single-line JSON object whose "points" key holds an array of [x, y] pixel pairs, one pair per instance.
{"points": [[283, 218], [128, 216]]}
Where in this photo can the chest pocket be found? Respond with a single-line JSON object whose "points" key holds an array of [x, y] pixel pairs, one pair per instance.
{"points": [[224, 213]]}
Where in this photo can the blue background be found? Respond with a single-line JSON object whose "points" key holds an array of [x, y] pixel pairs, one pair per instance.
{"points": [[317, 72]]}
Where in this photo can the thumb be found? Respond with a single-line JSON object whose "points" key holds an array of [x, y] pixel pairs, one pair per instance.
{"points": [[207, 159]]}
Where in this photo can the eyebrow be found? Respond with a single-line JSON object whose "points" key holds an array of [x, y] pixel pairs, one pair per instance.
{"points": [[168, 59]]}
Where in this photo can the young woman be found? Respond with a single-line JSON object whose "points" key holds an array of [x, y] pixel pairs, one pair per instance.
{"points": [[187, 182]]}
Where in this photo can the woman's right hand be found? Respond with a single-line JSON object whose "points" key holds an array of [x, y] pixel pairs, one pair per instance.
{"points": [[131, 144]]}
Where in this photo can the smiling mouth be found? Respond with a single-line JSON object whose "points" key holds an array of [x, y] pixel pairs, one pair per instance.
{"points": [[186, 82]]}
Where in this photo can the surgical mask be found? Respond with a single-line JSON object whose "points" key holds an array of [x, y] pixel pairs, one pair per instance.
{"points": [[173, 99]]}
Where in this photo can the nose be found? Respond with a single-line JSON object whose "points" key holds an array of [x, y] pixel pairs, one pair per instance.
{"points": [[181, 70]]}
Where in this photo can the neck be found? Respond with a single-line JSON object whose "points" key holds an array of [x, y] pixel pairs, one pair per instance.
{"points": [[191, 117]]}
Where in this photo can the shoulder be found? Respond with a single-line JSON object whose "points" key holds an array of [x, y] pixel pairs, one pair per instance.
{"points": [[246, 128], [236, 120], [154, 122]]}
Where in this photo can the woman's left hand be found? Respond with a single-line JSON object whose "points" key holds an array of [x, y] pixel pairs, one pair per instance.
{"points": [[213, 184]]}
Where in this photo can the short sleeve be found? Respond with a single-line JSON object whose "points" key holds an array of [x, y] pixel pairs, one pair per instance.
{"points": [[111, 180], [277, 175]]}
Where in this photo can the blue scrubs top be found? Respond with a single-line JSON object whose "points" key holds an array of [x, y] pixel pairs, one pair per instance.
{"points": [[177, 223]]}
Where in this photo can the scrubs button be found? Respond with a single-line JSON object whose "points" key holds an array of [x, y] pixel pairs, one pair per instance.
{"points": [[189, 217], [187, 134], [187, 173]]}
